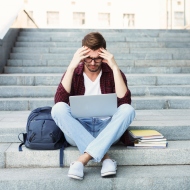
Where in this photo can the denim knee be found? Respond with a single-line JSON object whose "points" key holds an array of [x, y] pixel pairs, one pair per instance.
{"points": [[128, 110], [60, 107]]}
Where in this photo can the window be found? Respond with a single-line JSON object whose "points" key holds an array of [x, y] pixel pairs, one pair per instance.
{"points": [[104, 19], [29, 22], [179, 3], [52, 18], [129, 20], [109, 4], [78, 18], [179, 18]]}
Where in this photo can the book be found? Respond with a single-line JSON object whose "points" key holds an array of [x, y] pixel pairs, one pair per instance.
{"points": [[151, 144], [152, 137], [145, 134], [152, 140], [145, 147], [148, 147], [147, 139]]}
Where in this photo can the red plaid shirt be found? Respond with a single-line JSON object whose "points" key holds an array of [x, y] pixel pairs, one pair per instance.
{"points": [[107, 85]]}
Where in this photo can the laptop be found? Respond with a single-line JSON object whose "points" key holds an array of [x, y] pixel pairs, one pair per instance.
{"points": [[102, 105]]}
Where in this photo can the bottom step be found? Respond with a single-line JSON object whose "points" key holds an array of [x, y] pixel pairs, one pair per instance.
{"points": [[128, 177]]}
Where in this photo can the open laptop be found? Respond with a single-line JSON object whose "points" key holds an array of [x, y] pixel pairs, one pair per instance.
{"points": [[85, 106]]}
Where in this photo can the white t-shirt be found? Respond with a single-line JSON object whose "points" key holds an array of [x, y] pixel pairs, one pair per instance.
{"points": [[92, 87]]}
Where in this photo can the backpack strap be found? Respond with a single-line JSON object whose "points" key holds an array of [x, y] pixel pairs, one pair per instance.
{"points": [[22, 141], [61, 154]]}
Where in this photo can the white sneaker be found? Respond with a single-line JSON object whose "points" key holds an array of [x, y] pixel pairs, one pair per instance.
{"points": [[76, 170], [109, 167]]}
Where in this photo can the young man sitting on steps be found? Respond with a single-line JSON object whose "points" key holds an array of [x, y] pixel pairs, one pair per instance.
{"points": [[93, 70]]}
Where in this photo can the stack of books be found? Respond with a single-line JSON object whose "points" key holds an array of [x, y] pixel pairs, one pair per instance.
{"points": [[148, 138]]}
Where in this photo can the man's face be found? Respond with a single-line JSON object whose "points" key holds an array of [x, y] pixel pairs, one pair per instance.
{"points": [[93, 65]]}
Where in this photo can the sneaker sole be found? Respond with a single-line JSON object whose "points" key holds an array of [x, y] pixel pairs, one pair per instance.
{"points": [[108, 173], [75, 177]]}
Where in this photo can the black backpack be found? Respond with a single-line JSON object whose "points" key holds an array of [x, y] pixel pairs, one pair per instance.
{"points": [[42, 133]]}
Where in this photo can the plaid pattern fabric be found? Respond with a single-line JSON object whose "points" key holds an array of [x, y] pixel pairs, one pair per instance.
{"points": [[126, 139], [107, 85]]}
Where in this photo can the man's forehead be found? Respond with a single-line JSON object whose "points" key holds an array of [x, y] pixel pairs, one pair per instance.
{"points": [[93, 51], [97, 50]]}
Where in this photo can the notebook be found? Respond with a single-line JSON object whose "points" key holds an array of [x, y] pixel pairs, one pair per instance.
{"points": [[101, 105]]}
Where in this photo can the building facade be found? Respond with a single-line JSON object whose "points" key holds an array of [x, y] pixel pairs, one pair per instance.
{"points": [[124, 14]]}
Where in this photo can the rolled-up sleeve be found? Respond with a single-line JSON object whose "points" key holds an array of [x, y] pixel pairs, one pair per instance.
{"points": [[61, 94], [127, 97]]}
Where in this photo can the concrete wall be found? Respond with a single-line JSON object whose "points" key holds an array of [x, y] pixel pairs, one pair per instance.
{"points": [[9, 39], [11, 13], [5, 46]]}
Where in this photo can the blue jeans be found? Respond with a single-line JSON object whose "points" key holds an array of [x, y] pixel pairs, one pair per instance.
{"points": [[92, 135]]}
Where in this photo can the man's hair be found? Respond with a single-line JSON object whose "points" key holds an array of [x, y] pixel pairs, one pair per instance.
{"points": [[94, 41]]}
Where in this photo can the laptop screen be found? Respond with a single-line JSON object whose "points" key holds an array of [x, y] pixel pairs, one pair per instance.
{"points": [[101, 105]]}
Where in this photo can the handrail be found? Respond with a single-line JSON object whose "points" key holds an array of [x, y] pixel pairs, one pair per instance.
{"points": [[187, 27], [9, 16], [30, 18]]}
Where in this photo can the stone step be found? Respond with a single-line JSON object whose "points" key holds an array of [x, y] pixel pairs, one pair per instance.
{"points": [[109, 44], [49, 91], [125, 156], [63, 62], [106, 33], [121, 63], [52, 50], [126, 56], [159, 50], [55, 38], [172, 123], [103, 30], [132, 79], [128, 177], [108, 36], [130, 70], [139, 103], [177, 35]]}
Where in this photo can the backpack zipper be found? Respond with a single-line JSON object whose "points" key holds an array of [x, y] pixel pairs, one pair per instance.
{"points": [[52, 136], [32, 137]]}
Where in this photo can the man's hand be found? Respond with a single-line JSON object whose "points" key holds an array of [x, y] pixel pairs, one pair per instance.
{"points": [[109, 58], [120, 86], [79, 55]]}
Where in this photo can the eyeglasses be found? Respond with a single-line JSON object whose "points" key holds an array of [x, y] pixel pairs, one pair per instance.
{"points": [[96, 60]]}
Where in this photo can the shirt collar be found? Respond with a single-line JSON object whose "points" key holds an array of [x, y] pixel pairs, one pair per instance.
{"points": [[105, 68]]}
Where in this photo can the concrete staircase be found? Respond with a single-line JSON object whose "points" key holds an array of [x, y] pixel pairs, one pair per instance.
{"points": [[157, 66]]}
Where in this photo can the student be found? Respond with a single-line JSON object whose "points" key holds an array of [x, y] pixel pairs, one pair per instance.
{"points": [[93, 70]]}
